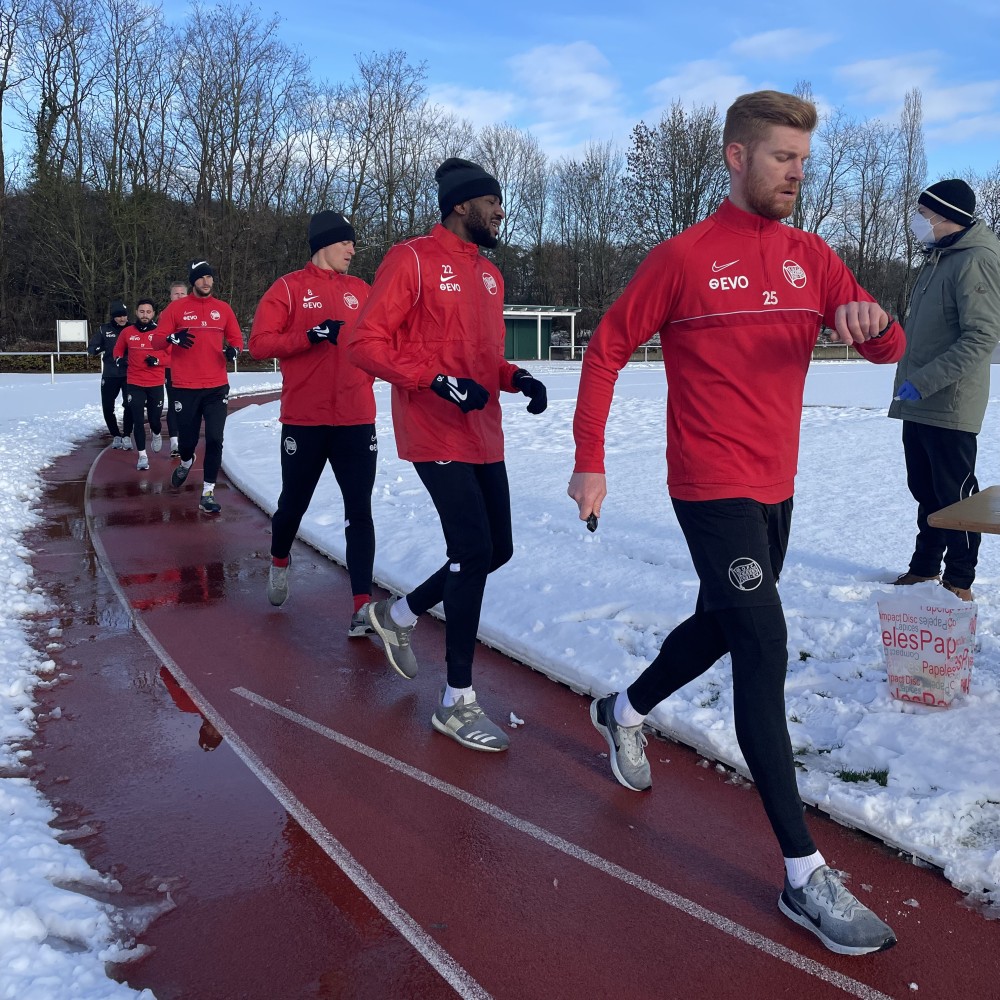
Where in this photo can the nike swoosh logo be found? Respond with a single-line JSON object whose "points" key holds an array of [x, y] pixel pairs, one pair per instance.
{"points": [[717, 267], [310, 298], [460, 395]]}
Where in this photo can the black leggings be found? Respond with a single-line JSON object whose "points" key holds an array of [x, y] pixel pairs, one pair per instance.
{"points": [[473, 502], [195, 405], [726, 536], [144, 401], [171, 414], [110, 387], [352, 452]]}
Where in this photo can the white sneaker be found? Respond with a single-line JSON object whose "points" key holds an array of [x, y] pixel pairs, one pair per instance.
{"points": [[117, 443], [157, 442], [277, 584], [143, 464], [126, 444]]}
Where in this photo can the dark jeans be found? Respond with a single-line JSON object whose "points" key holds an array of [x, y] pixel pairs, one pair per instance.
{"points": [[473, 502], [940, 471], [353, 455], [738, 548], [193, 407]]}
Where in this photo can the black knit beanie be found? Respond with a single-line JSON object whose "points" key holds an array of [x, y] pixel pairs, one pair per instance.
{"points": [[326, 228], [199, 269], [953, 199], [118, 308], [459, 180]]}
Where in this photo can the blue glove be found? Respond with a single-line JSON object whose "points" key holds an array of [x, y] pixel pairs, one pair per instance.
{"points": [[908, 392], [230, 352], [532, 388], [181, 338]]}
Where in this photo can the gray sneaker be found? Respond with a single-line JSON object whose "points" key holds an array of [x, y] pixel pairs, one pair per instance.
{"points": [[178, 476], [277, 584], [143, 464], [395, 638], [126, 443], [157, 442], [841, 921], [628, 759], [466, 723], [117, 442], [359, 623]]}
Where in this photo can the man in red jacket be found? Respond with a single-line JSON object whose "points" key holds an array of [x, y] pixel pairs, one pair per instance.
{"points": [[434, 328], [144, 378], [204, 335], [738, 301], [327, 404]]}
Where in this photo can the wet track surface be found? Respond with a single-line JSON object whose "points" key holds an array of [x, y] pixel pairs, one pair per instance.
{"points": [[525, 874]]}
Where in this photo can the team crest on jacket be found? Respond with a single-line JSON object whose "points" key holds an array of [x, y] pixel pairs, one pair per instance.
{"points": [[490, 282], [351, 300], [216, 315], [794, 274]]}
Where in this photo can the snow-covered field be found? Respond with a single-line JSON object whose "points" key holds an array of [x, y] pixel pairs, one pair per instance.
{"points": [[588, 609]]}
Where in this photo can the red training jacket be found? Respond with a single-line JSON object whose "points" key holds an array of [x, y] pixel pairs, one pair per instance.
{"points": [[139, 344], [436, 307], [212, 323], [319, 385], [738, 301]]}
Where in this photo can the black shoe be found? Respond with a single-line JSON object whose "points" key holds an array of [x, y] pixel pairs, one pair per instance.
{"points": [[208, 504], [179, 474]]}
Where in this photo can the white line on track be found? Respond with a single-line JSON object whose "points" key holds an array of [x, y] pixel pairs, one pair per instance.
{"points": [[453, 973], [807, 965]]}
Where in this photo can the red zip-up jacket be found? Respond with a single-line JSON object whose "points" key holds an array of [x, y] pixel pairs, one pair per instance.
{"points": [[436, 307], [319, 385], [738, 301], [139, 345], [213, 324]]}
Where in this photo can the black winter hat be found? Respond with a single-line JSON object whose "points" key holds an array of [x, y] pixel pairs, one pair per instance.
{"points": [[953, 199], [118, 308], [459, 180], [199, 269], [326, 228]]}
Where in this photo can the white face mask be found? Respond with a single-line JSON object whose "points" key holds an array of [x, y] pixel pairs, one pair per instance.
{"points": [[922, 229]]}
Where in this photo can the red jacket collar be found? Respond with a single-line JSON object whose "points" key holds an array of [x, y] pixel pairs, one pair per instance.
{"points": [[453, 243], [745, 222]]}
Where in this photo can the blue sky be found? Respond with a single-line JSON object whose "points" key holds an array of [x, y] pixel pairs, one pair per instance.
{"points": [[573, 72]]}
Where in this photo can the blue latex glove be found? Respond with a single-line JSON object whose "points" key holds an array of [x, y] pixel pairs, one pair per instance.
{"points": [[908, 392]]}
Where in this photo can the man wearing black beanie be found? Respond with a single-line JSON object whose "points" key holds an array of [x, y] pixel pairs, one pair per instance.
{"points": [[327, 404], [113, 375], [942, 384], [434, 328], [203, 335]]}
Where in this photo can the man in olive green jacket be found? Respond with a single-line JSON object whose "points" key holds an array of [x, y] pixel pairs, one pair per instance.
{"points": [[942, 383]]}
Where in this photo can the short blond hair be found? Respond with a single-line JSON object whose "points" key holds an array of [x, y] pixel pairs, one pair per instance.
{"points": [[749, 117]]}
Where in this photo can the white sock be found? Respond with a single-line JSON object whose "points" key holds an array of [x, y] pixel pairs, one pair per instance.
{"points": [[799, 869], [400, 613], [207, 488], [142, 454], [173, 442], [451, 695], [188, 463], [625, 714]]}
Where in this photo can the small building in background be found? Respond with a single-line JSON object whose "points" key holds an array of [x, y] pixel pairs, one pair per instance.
{"points": [[529, 333]]}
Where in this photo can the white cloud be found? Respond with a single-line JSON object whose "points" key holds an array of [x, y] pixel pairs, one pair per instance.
{"points": [[789, 43], [702, 82], [481, 107]]}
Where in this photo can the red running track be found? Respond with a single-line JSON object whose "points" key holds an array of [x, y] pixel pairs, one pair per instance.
{"points": [[360, 854]]}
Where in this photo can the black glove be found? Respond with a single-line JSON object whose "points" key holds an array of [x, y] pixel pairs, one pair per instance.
{"points": [[230, 352], [532, 388], [121, 361], [152, 360], [325, 331], [465, 393], [181, 338]]}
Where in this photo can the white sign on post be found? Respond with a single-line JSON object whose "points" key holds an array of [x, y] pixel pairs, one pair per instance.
{"points": [[70, 331]]}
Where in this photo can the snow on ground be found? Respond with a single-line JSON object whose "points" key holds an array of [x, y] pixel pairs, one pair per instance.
{"points": [[590, 610]]}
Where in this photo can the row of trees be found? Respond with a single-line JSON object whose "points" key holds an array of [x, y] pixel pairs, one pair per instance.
{"points": [[142, 144]]}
